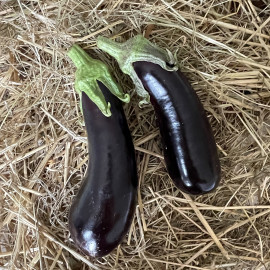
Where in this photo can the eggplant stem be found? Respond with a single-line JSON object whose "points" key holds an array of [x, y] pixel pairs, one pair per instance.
{"points": [[134, 50], [79, 57], [114, 49], [88, 72]]}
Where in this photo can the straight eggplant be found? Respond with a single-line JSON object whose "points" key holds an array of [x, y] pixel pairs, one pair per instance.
{"points": [[103, 209], [189, 147]]}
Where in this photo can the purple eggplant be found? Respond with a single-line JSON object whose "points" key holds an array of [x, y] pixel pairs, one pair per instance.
{"points": [[103, 209], [189, 146]]}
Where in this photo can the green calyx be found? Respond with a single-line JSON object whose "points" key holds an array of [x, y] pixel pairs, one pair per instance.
{"points": [[137, 49], [89, 71]]}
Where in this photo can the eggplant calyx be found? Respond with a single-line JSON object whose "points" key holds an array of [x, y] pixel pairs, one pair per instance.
{"points": [[134, 50], [89, 72]]}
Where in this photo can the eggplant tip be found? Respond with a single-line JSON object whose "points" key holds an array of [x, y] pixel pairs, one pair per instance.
{"points": [[86, 241], [196, 189]]}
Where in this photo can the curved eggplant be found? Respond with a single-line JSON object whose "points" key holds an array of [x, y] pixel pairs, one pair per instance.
{"points": [[189, 147], [103, 209]]}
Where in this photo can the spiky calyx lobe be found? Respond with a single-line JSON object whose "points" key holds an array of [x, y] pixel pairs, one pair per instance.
{"points": [[89, 72]]}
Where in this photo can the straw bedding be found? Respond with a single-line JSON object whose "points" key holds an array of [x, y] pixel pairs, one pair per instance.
{"points": [[221, 46]]}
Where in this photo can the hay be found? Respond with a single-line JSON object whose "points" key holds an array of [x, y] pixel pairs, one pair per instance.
{"points": [[223, 48]]}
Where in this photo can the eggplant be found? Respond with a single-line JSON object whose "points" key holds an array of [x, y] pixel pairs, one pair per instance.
{"points": [[103, 209], [190, 150], [189, 147]]}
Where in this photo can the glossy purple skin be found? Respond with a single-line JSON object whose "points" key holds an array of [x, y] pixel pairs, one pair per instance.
{"points": [[189, 146], [103, 209]]}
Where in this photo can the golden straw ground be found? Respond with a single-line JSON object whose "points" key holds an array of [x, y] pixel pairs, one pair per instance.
{"points": [[223, 47]]}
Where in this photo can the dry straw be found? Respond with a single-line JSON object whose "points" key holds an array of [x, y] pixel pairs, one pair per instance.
{"points": [[223, 47]]}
